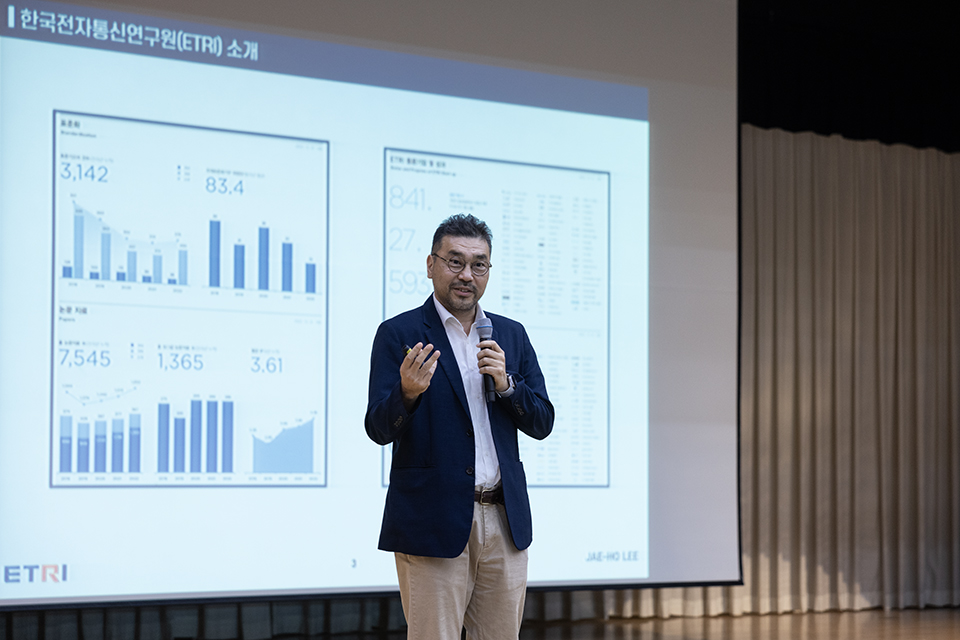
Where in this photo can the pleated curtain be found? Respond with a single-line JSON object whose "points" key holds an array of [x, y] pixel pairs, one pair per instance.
{"points": [[849, 411], [849, 381], [849, 385], [850, 374]]}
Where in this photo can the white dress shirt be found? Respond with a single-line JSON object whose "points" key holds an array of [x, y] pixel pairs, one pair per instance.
{"points": [[486, 465]]}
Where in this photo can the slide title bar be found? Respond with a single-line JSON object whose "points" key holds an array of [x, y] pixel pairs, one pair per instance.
{"points": [[208, 44]]}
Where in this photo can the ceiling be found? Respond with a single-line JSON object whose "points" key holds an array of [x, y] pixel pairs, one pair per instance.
{"points": [[865, 70]]}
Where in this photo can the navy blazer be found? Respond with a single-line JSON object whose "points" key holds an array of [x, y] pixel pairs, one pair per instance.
{"points": [[429, 506]]}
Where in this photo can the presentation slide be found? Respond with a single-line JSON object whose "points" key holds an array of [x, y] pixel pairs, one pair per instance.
{"points": [[552, 271], [201, 228], [156, 210]]}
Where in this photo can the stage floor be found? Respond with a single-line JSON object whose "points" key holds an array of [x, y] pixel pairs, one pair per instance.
{"points": [[909, 624]]}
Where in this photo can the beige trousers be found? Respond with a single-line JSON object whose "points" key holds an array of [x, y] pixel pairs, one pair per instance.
{"points": [[482, 589]]}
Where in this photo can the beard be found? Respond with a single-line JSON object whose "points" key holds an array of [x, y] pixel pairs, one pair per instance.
{"points": [[461, 304]]}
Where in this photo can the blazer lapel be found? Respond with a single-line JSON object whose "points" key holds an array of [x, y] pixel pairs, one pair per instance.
{"points": [[436, 334]]}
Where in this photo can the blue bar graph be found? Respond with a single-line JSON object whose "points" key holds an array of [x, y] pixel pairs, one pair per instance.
{"points": [[197, 444], [105, 254], [134, 454], [66, 443], [78, 244], [163, 438], [227, 436], [105, 248], [287, 267], [100, 446], [211, 436], [238, 266], [196, 435], [263, 268], [214, 253], [152, 272], [110, 439], [116, 447], [263, 262], [182, 440], [83, 447], [179, 444]]}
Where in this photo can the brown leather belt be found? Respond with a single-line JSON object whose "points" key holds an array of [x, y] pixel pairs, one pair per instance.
{"points": [[489, 496]]}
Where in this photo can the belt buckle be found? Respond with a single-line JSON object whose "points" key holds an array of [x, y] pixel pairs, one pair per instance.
{"points": [[488, 496]]}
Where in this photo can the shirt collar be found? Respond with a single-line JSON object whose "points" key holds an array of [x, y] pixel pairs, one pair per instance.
{"points": [[446, 315]]}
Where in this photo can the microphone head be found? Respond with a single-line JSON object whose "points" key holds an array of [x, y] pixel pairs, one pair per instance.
{"points": [[484, 328]]}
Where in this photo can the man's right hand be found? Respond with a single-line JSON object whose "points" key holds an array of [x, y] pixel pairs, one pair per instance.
{"points": [[416, 371]]}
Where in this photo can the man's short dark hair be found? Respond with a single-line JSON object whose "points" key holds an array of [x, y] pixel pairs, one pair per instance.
{"points": [[462, 225]]}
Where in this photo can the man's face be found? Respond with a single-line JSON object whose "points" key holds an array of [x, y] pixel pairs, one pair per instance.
{"points": [[459, 292]]}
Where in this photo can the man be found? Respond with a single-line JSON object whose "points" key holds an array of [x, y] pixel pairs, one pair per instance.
{"points": [[457, 513]]}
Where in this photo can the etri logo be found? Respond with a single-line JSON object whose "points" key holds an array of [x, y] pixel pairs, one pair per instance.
{"points": [[35, 573]]}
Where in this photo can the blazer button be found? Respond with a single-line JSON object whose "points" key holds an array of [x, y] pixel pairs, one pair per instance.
{"points": [[469, 471], [469, 434]]}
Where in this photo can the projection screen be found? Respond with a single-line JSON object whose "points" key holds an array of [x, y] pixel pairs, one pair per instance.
{"points": [[206, 209]]}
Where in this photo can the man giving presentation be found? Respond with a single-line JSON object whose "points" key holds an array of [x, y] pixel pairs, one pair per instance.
{"points": [[457, 514]]}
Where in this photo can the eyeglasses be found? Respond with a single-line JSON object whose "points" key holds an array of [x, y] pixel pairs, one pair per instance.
{"points": [[456, 265]]}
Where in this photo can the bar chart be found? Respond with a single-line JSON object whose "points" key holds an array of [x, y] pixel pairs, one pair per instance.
{"points": [[123, 439], [307, 280], [101, 253], [190, 443], [189, 301], [136, 215], [210, 438]]}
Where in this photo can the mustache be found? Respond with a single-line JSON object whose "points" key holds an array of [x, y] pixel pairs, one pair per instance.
{"points": [[471, 287]]}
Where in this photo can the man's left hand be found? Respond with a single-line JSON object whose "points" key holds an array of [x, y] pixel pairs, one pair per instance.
{"points": [[493, 362]]}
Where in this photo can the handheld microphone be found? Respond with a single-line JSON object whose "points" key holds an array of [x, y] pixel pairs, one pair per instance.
{"points": [[485, 332]]}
